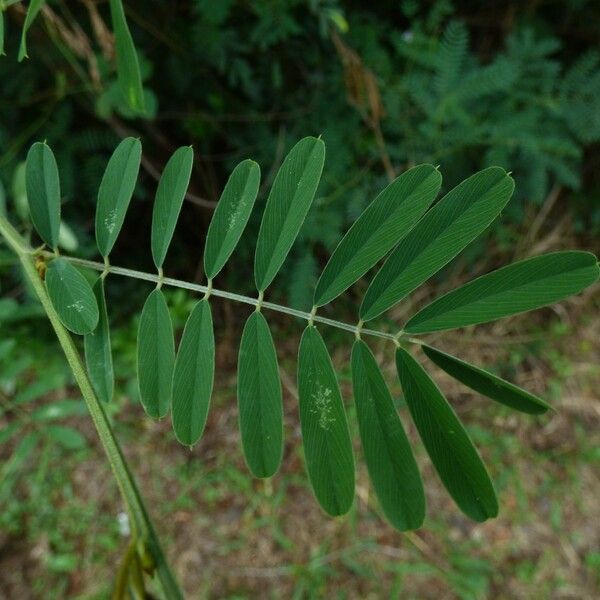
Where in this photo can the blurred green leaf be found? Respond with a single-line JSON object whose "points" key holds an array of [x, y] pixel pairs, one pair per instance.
{"points": [[451, 451], [59, 410], [260, 402], [66, 436], [32, 11]]}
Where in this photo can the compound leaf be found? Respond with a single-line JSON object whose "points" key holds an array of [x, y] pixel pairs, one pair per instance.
{"points": [[487, 383], [259, 398], [43, 192], [32, 12], [155, 355], [171, 191], [522, 286], [128, 68], [194, 375], [456, 220], [451, 451], [289, 200], [326, 440], [98, 355], [72, 297], [390, 461], [380, 227], [231, 216], [115, 192]]}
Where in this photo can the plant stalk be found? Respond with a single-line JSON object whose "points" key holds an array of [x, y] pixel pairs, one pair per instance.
{"points": [[141, 524]]}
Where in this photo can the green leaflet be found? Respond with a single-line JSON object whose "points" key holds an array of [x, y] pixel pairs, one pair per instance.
{"points": [[326, 440], [32, 12], [194, 375], [67, 437], [116, 190], [72, 297], [260, 401], [98, 355], [486, 383], [155, 355], [231, 216], [2, 52], [128, 68], [455, 221], [290, 198], [43, 192], [451, 451], [390, 461], [171, 191], [522, 286], [380, 227]]}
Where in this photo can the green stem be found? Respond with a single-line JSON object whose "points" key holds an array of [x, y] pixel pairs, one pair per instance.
{"points": [[142, 527]]}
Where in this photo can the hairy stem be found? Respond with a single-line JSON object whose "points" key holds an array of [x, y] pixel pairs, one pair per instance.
{"points": [[168, 281], [142, 527]]}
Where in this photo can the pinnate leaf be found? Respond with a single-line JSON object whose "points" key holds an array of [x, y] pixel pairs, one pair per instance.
{"points": [[522, 286], [231, 216], [98, 354], [290, 198], [171, 191], [326, 440], [451, 451], [380, 227], [455, 221], [390, 461], [43, 192], [72, 297], [194, 375], [155, 355], [115, 192], [259, 398], [487, 383]]}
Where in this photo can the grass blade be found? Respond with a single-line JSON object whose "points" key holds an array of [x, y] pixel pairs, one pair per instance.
{"points": [[390, 461], [455, 221], [171, 191], [522, 286], [32, 12], [487, 383], [43, 192], [116, 190], [380, 227], [231, 216], [155, 355], [128, 68], [194, 375], [2, 51], [327, 445], [290, 198], [72, 297], [98, 355], [260, 402], [451, 451]]}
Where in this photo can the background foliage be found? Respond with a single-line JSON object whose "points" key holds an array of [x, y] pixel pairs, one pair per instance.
{"points": [[388, 85]]}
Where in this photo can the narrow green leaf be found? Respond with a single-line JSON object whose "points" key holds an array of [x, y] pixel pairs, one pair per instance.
{"points": [[289, 200], [390, 461], [67, 437], [380, 227], [455, 221], [194, 375], [43, 192], [115, 192], [128, 68], [32, 12], [522, 286], [2, 52], [231, 216], [171, 191], [60, 410], [72, 297], [487, 383], [155, 355], [327, 445], [260, 401], [451, 451], [98, 355]]}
